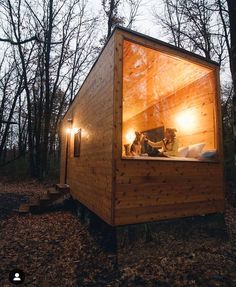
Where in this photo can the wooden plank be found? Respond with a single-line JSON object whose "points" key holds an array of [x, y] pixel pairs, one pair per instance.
{"points": [[118, 88], [167, 187], [146, 214], [166, 173], [161, 197], [90, 175], [128, 168]]}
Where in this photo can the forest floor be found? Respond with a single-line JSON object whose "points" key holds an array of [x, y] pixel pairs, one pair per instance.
{"points": [[56, 249]]}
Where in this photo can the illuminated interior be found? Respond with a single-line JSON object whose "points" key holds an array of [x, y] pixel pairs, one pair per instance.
{"points": [[164, 90]]}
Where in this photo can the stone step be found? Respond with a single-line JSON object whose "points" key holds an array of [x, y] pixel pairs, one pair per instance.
{"points": [[35, 208], [63, 188], [55, 196], [54, 191], [45, 200], [34, 201], [24, 208], [38, 203]]}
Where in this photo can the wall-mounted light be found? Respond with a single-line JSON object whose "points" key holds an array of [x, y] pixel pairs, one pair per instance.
{"points": [[69, 129], [72, 131]]}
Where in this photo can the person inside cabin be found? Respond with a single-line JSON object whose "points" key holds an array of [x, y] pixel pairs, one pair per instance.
{"points": [[136, 147], [168, 145]]}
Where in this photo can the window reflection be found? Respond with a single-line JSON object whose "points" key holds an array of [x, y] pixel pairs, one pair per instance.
{"points": [[161, 92]]}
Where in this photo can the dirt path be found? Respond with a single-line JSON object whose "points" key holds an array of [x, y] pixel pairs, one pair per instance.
{"points": [[55, 249]]}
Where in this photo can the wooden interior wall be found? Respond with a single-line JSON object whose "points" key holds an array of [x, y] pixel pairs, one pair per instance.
{"points": [[153, 190], [150, 74], [90, 175], [195, 99]]}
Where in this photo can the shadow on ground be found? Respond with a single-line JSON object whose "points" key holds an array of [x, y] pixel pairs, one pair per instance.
{"points": [[9, 203]]}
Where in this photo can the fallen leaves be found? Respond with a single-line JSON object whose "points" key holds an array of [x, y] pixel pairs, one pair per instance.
{"points": [[55, 249]]}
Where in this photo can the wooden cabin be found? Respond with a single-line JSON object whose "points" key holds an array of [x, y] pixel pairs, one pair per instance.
{"points": [[140, 84]]}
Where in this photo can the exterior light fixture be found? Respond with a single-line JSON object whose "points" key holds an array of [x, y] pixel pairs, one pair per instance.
{"points": [[69, 130]]}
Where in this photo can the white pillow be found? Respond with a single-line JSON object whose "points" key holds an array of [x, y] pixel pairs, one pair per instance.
{"points": [[183, 151], [195, 150]]}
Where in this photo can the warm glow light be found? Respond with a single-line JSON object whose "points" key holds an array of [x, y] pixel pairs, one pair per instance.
{"points": [[130, 136], [186, 121], [68, 131], [72, 130], [85, 134]]}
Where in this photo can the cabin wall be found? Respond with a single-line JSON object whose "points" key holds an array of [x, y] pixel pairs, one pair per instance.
{"points": [[152, 190], [90, 174], [196, 98]]}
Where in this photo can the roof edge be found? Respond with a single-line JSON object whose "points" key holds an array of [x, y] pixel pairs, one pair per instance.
{"points": [[118, 27]]}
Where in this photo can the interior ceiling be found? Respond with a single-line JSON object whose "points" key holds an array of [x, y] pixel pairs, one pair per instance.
{"points": [[149, 75]]}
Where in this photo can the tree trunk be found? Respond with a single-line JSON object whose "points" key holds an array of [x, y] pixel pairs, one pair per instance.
{"points": [[110, 18], [48, 107], [6, 131], [232, 21]]}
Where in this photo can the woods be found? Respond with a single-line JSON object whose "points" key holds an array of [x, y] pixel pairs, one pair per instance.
{"points": [[49, 47], [232, 21], [74, 90]]}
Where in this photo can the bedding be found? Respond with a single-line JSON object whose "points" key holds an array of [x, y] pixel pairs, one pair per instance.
{"points": [[210, 155], [176, 158], [188, 153], [195, 150], [183, 151]]}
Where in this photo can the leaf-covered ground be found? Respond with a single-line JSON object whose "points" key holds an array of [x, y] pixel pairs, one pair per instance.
{"points": [[55, 249]]}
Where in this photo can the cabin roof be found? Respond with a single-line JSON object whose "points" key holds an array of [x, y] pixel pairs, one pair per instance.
{"points": [[163, 44], [152, 39]]}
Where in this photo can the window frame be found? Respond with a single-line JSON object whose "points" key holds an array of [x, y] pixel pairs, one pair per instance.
{"points": [[217, 157]]}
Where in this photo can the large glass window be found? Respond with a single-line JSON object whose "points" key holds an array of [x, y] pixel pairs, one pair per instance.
{"points": [[168, 106]]}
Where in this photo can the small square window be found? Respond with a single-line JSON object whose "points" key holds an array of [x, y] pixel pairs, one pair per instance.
{"points": [[77, 141]]}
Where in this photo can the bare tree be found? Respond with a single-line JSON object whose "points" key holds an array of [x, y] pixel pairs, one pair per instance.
{"points": [[10, 90], [115, 11], [110, 8], [194, 25], [133, 7], [54, 41], [232, 21], [172, 21]]}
